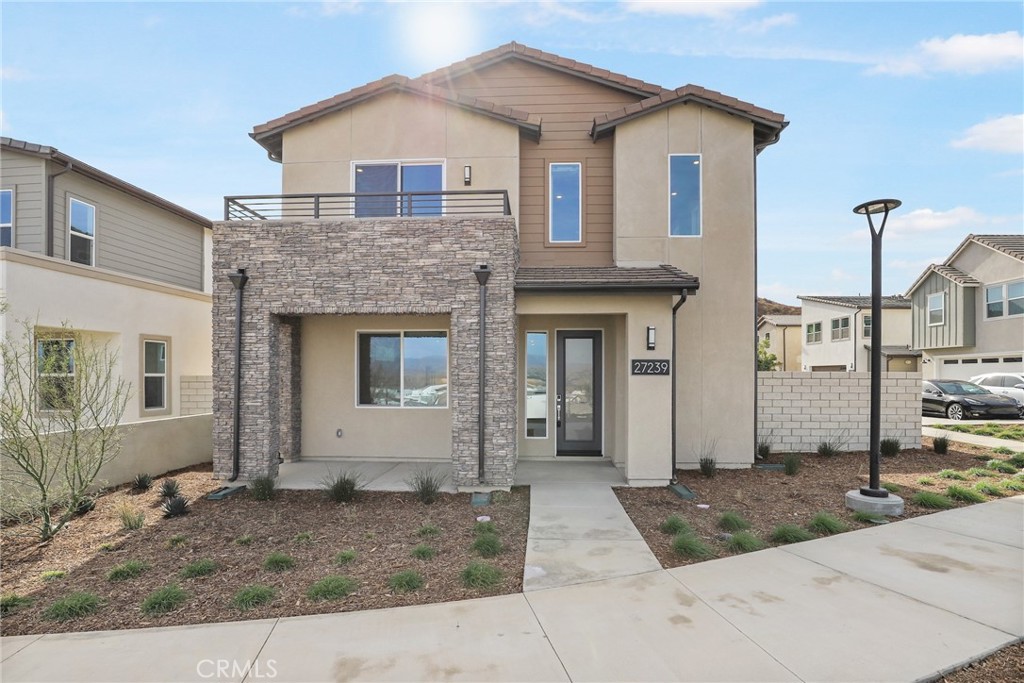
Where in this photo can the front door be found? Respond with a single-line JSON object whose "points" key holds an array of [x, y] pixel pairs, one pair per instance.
{"points": [[578, 398]]}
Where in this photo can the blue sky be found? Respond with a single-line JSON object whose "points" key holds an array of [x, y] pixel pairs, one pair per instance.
{"points": [[918, 101]]}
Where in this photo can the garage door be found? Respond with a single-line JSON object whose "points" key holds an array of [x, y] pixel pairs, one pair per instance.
{"points": [[965, 368]]}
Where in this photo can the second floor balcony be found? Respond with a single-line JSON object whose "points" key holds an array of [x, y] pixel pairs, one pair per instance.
{"points": [[273, 207]]}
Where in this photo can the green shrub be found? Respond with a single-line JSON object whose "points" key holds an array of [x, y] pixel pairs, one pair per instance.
{"points": [[791, 463], [198, 568], [175, 507], [108, 547], [278, 562], [85, 506], [480, 575], [142, 482], [982, 472], [708, 465], [252, 596], [890, 447], [952, 474], [764, 447], [126, 570], [332, 587], [404, 582], [989, 489], [162, 600], [244, 539], [825, 524], [744, 542], [1002, 450], [428, 530], [485, 528], [933, 501], [732, 521], [262, 488], [827, 449], [343, 487], [867, 517], [345, 557], [131, 517], [487, 545], [1017, 460], [964, 495], [170, 488], [1012, 485], [925, 481], [688, 545], [11, 602], [72, 607], [940, 445], [53, 575], [423, 552], [674, 524], [303, 538], [834, 444], [177, 541], [890, 487], [1001, 466], [790, 533], [426, 484]]}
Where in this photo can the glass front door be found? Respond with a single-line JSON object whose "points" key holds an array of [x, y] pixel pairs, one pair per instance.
{"points": [[578, 401]]}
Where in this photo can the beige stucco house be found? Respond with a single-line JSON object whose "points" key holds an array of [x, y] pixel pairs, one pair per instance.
{"points": [[615, 218], [85, 254], [784, 337], [968, 312], [837, 334]]}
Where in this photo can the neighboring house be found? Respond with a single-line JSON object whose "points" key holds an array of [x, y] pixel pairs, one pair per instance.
{"points": [[82, 250], [968, 312], [784, 336], [837, 334], [596, 201]]}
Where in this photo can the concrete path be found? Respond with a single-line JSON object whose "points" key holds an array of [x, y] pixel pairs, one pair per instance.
{"points": [[902, 602], [934, 428]]}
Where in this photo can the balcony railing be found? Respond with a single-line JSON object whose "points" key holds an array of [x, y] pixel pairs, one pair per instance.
{"points": [[272, 207]]}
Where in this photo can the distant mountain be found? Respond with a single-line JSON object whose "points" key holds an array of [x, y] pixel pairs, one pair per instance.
{"points": [[769, 307]]}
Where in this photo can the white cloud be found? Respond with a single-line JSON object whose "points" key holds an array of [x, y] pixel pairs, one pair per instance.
{"points": [[962, 54], [13, 73], [926, 222], [691, 8], [768, 23], [548, 12], [1003, 134]]}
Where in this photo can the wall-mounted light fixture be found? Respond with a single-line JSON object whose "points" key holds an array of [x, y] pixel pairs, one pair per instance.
{"points": [[650, 338], [467, 175]]}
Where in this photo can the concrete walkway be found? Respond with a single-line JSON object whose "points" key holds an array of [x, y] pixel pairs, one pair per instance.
{"points": [[901, 602], [933, 427]]}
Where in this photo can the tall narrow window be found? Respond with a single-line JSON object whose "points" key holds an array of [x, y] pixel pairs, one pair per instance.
{"points": [[388, 179], [55, 363], [82, 232], [6, 218], [994, 301], [536, 385], [564, 206], [937, 308], [154, 374], [407, 369], [684, 195], [867, 327]]}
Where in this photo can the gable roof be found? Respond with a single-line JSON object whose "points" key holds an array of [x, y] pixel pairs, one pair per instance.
{"points": [[949, 272], [664, 278], [1011, 245], [102, 177], [893, 301], [779, 320]]}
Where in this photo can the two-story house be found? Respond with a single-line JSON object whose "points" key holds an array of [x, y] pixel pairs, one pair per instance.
{"points": [[837, 334], [593, 205], [968, 312], [84, 252], [784, 336]]}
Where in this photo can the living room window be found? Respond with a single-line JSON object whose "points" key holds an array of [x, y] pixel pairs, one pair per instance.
{"points": [[389, 178], [814, 333], [407, 369], [155, 374], [840, 328], [565, 207], [684, 195], [937, 308], [6, 218], [82, 232], [1004, 300], [55, 363]]}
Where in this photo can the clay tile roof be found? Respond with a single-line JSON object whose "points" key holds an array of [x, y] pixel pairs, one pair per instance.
{"points": [[664, 278], [954, 274], [1011, 245], [893, 301], [782, 320]]}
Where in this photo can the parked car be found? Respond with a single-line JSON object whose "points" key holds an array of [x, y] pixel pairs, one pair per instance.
{"points": [[1006, 383], [957, 399]]}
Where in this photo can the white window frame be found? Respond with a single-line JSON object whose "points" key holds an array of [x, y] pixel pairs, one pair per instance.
{"points": [[401, 369], [551, 199], [41, 339], [165, 409], [400, 163], [929, 308], [866, 324], [92, 238], [808, 333], [700, 195], [10, 225], [547, 376], [840, 328], [1004, 290]]}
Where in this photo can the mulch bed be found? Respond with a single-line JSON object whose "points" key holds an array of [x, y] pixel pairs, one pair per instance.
{"points": [[381, 527], [1005, 666]]}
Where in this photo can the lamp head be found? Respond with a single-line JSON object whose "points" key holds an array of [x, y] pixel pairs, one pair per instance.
{"points": [[877, 206], [238, 279], [482, 272]]}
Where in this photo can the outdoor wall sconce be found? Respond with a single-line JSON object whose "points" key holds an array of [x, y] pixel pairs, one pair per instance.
{"points": [[650, 338], [467, 175]]}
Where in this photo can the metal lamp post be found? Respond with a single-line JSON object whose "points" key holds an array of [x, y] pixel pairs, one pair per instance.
{"points": [[238, 280], [882, 206], [483, 274]]}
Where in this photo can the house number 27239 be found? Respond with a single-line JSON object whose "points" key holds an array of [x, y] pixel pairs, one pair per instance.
{"points": [[649, 367]]}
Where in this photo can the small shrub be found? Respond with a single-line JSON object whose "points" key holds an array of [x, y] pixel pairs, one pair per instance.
{"points": [[198, 568], [278, 562], [85, 506], [867, 517], [933, 501], [487, 545], [1012, 485], [790, 533], [72, 607], [1001, 466], [343, 487], [131, 517], [126, 570], [423, 552], [964, 495], [481, 528], [890, 447], [53, 575], [744, 542], [404, 582], [303, 538], [175, 507], [262, 488], [244, 539], [791, 463], [11, 602], [170, 488], [142, 482], [688, 545], [952, 474], [926, 481], [674, 524], [480, 575], [177, 540], [332, 587], [252, 596], [428, 530], [1017, 460], [940, 445], [825, 524], [108, 547], [764, 447], [827, 450], [708, 465], [989, 489], [833, 444], [732, 522], [345, 557], [163, 600], [981, 472], [426, 484], [890, 487], [1002, 450]]}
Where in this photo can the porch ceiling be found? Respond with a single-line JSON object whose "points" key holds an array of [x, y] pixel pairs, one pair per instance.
{"points": [[662, 279]]}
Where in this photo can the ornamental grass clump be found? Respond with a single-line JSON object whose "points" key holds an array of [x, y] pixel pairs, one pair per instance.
{"points": [[203, 567], [333, 587], [423, 552], [127, 570], [427, 485], [262, 488], [1001, 466], [163, 600], [964, 494], [940, 445], [989, 489], [790, 533], [278, 562], [72, 606], [406, 581], [132, 518], [12, 602], [952, 474], [890, 447], [932, 501], [345, 557], [674, 524], [825, 524], [480, 575], [343, 487], [487, 545], [732, 522], [744, 542], [252, 596], [689, 546], [791, 463]]}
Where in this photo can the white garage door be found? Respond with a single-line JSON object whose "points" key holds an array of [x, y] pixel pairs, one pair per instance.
{"points": [[967, 367]]}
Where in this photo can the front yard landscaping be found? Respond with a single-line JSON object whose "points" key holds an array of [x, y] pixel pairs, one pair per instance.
{"points": [[1012, 432]]}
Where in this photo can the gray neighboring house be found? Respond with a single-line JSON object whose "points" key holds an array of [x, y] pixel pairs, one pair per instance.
{"points": [[968, 311]]}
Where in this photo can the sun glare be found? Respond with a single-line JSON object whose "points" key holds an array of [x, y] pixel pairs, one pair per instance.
{"points": [[435, 34]]}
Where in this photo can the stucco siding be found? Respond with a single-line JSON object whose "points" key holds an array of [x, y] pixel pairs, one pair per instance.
{"points": [[958, 326]]}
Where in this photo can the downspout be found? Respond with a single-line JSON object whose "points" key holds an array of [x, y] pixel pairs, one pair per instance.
{"points": [[49, 206], [238, 279], [675, 309], [482, 272]]}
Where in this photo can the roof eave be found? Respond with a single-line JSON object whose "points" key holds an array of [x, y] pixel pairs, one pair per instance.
{"points": [[644, 288], [770, 130]]}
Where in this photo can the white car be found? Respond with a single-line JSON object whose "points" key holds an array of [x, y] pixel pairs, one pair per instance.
{"points": [[1006, 383]]}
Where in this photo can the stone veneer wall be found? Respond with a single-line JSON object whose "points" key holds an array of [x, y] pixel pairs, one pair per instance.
{"points": [[370, 266], [196, 394], [798, 410]]}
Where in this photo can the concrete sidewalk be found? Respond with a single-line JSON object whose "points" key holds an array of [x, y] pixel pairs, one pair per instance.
{"points": [[901, 602], [933, 427]]}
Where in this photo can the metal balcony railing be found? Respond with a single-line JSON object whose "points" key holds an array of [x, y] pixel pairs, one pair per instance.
{"points": [[272, 207]]}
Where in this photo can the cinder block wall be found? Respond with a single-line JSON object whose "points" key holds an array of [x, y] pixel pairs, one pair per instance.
{"points": [[798, 410], [196, 394]]}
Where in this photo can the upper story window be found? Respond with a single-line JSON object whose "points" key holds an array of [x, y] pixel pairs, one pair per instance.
{"points": [[840, 328], [55, 363], [82, 232], [403, 369], [387, 179], [6, 218], [937, 308], [814, 333], [684, 195], [867, 327], [1004, 300], [155, 370], [565, 208]]}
